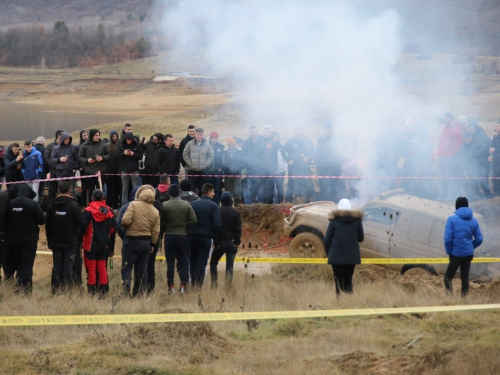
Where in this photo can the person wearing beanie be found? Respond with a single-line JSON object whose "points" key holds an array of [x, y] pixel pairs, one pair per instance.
{"points": [[53, 185], [461, 236], [228, 239], [178, 217], [345, 232], [232, 164], [98, 243], [93, 156], [186, 191], [65, 157]]}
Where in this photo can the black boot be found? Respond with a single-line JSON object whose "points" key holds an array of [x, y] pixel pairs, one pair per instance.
{"points": [[103, 291], [92, 289]]}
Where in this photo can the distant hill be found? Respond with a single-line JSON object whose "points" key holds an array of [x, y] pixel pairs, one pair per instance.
{"points": [[429, 26]]}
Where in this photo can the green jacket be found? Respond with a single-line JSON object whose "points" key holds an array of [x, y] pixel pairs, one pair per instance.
{"points": [[178, 216]]}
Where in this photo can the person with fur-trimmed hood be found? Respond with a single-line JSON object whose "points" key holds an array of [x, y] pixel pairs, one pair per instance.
{"points": [[98, 242], [344, 233], [141, 222]]}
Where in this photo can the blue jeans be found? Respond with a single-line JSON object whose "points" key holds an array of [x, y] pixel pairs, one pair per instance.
{"points": [[199, 248]]}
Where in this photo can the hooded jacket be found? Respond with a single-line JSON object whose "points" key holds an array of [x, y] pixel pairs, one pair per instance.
{"points": [[230, 222], [91, 150], [32, 164], [23, 217], [198, 156], [64, 222], [68, 150], [100, 223], [119, 227], [142, 219], [462, 233], [11, 171], [150, 149], [47, 154], [114, 163], [5, 197], [232, 163], [129, 163], [168, 159], [342, 238]]}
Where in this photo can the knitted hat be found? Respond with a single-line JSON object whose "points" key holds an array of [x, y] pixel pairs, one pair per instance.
{"points": [[40, 140], [461, 202], [129, 135], [174, 190], [97, 195], [231, 141], [214, 135], [226, 198], [344, 204]]}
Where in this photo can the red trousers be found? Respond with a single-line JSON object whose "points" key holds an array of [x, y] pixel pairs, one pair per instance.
{"points": [[95, 264]]}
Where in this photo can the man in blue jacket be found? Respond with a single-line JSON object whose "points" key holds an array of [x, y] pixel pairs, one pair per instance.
{"points": [[32, 166], [202, 233], [461, 236]]}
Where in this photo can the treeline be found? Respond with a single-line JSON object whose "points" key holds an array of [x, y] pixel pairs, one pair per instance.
{"points": [[62, 48]]}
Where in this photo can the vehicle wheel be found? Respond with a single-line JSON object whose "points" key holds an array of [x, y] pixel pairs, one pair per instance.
{"points": [[307, 245]]}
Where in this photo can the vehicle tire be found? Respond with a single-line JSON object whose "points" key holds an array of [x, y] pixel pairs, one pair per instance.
{"points": [[307, 245]]}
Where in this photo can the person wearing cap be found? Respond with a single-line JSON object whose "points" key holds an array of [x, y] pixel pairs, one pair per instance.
{"points": [[53, 185], [494, 159], [461, 236], [344, 233], [232, 165], [227, 240], [198, 156], [169, 161], [129, 153], [98, 243], [141, 222], [93, 156], [215, 169], [178, 217]]}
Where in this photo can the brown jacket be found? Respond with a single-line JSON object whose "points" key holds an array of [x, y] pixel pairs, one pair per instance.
{"points": [[142, 218]]}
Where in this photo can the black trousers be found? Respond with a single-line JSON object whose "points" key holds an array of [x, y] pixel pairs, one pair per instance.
{"points": [[2, 246], [114, 191], [228, 248], [53, 185], [199, 251], [62, 270], [342, 273], [135, 252], [77, 267], [464, 264], [177, 248], [197, 180], [151, 273], [19, 259]]}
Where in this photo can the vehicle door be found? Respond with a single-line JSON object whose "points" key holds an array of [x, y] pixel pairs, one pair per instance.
{"points": [[379, 224]]}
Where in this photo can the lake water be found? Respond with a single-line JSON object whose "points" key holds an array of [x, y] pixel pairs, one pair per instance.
{"points": [[21, 121]]}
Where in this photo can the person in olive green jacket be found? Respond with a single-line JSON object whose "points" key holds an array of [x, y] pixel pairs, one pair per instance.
{"points": [[179, 216]]}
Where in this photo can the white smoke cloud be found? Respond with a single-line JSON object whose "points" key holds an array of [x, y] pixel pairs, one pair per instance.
{"points": [[302, 63]]}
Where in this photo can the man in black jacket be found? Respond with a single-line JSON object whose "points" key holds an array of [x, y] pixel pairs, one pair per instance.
{"points": [[129, 154], [47, 161], [228, 239], [2, 166], [13, 163], [22, 233], [5, 197], [40, 147], [64, 221], [168, 159], [188, 138]]}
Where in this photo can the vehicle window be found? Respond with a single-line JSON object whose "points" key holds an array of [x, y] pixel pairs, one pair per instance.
{"points": [[420, 229], [437, 234], [383, 215]]}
